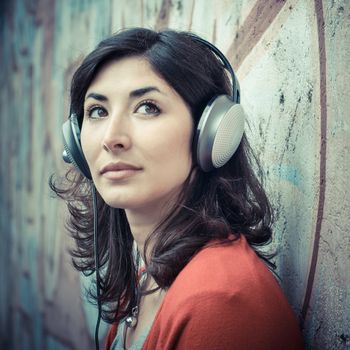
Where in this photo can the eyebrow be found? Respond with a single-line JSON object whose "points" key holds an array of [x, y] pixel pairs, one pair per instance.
{"points": [[133, 94], [142, 91]]}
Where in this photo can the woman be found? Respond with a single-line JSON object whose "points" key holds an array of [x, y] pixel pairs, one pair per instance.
{"points": [[177, 239]]}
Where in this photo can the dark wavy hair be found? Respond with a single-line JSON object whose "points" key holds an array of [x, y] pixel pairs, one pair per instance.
{"points": [[211, 205]]}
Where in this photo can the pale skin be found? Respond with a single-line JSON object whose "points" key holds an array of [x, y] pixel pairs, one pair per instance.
{"points": [[136, 137]]}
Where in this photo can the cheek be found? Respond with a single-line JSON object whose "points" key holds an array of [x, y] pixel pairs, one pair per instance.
{"points": [[87, 144], [171, 151], [84, 143]]}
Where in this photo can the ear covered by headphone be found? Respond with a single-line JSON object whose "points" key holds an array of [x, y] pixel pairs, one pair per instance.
{"points": [[73, 152], [219, 131], [221, 126]]}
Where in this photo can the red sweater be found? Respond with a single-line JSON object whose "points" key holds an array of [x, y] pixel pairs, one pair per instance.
{"points": [[224, 298]]}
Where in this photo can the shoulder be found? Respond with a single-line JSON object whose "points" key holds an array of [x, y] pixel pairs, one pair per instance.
{"points": [[222, 268], [223, 293]]}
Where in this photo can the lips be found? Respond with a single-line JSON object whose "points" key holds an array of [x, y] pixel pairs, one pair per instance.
{"points": [[119, 170]]}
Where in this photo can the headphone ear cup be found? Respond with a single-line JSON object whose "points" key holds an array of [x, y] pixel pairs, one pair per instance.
{"points": [[73, 152], [219, 132]]}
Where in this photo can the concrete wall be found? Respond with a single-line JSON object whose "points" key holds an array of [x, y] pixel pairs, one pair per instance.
{"points": [[292, 59]]}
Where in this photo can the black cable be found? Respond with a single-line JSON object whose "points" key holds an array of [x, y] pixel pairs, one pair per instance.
{"points": [[97, 272]]}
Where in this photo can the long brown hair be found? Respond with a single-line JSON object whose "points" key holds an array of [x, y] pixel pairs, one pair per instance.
{"points": [[211, 205]]}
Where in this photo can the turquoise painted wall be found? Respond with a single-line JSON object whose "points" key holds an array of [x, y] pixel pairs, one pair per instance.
{"points": [[292, 59]]}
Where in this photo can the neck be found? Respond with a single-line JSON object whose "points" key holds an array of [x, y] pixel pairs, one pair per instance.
{"points": [[142, 224], [143, 221], [141, 227]]}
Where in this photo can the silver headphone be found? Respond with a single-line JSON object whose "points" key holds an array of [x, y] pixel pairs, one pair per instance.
{"points": [[221, 126]]}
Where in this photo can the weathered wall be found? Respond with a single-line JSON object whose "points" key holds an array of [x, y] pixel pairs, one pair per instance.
{"points": [[292, 59]]}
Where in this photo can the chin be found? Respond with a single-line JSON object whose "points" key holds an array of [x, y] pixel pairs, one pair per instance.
{"points": [[121, 203], [116, 197], [113, 203]]}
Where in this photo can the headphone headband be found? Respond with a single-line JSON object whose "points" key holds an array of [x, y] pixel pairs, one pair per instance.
{"points": [[226, 63]]}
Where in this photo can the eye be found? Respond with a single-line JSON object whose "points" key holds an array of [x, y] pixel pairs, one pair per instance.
{"points": [[148, 108], [96, 112]]}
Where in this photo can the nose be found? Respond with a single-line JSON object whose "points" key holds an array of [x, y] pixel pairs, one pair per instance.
{"points": [[117, 135]]}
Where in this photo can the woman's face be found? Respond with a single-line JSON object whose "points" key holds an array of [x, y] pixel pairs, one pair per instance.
{"points": [[136, 136]]}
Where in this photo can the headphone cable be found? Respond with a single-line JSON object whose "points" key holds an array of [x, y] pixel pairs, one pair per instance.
{"points": [[97, 272]]}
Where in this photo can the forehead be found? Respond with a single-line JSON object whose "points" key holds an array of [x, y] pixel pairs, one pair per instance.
{"points": [[126, 74]]}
